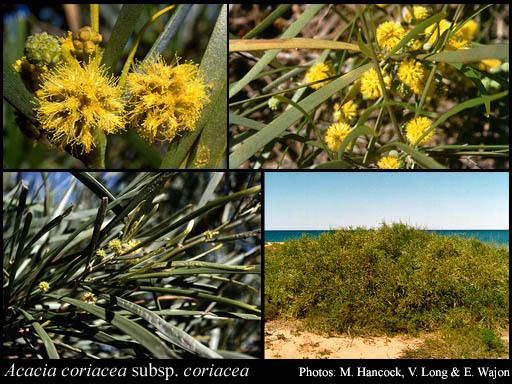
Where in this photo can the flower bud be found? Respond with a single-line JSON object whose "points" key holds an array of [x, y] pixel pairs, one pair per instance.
{"points": [[42, 49]]}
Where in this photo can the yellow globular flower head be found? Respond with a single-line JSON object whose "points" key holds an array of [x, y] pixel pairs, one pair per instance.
{"points": [[418, 13], [101, 253], [317, 72], [460, 40], [44, 286], [116, 245], [468, 30], [388, 162], [389, 34], [415, 45], [89, 297], [130, 244], [412, 74], [166, 100], [415, 128], [370, 85], [335, 135], [346, 112], [436, 30], [489, 64], [77, 99]]}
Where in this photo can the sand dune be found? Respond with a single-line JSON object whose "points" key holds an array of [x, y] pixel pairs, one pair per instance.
{"points": [[283, 341]]}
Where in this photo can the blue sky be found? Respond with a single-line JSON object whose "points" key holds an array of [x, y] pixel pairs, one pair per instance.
{"points": [[430, 200]]}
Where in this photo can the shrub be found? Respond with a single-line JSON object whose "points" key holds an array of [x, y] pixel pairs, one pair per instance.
{"points": [[387, 280]]}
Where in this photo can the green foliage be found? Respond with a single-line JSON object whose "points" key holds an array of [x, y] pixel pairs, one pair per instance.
{"points": [[183, 282], [471, 342], [454, 79], [388, 280]]}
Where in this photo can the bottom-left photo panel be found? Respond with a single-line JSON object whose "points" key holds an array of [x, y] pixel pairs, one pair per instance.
{"points": [[120, 265]]}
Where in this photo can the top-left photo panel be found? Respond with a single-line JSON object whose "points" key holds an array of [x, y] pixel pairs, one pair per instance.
{"points": [[114, 86]]}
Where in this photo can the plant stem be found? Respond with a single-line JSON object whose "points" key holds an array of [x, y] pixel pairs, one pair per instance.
{"points": [[95, 17], [381, 78]]}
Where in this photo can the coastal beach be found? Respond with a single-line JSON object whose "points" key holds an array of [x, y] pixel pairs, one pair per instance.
{"points": [[384, 284]]}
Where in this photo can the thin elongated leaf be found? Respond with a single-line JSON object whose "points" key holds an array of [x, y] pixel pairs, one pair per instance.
{"points": [[419, 157], [474, 76], [47, 341], [416, 31], [97, 188], [192, 271], [170, 29], [16, 94], [213, 70], [198, 212], [354, 134], [362, 46], [22, 203], [202, 295], [176, 335], [267, 21], [335, 164], [482, 52], [254, 143], [19, 251], [152, 343], [266, 44], [292, 31], [125, 24], [235, 355], [459, 108], [211, 150], [210, 188]]}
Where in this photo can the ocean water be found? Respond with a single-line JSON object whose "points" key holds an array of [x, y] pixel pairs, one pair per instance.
{"points": [[489, 236]]}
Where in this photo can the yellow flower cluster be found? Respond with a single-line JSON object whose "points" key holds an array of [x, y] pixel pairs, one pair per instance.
{"points": [[75, 100], [346, 112], [335, 135], [489, 65], [317, 72], [388, 162], [412, 74], [89, 297], [389, 34], [116, 246], [101, 253], [418, 13], [166, 100], [460, 40], [415, 128], [44, 286], [370, 85]]}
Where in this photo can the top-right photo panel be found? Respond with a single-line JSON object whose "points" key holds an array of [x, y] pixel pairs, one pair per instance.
{"points": [[369, 86]]}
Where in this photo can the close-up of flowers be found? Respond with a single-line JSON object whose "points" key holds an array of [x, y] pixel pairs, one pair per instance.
{"points": [[369, 86], [113, 85]]}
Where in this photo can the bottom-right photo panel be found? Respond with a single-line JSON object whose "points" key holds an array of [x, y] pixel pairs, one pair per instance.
{"points": [[377, 265]]}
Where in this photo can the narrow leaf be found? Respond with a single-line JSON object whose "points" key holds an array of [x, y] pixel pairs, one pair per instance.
{"points": [[152, 343], [254, 143], [47, 341], [16, 94], [176, 335], [125, 24], [266, 44]]}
